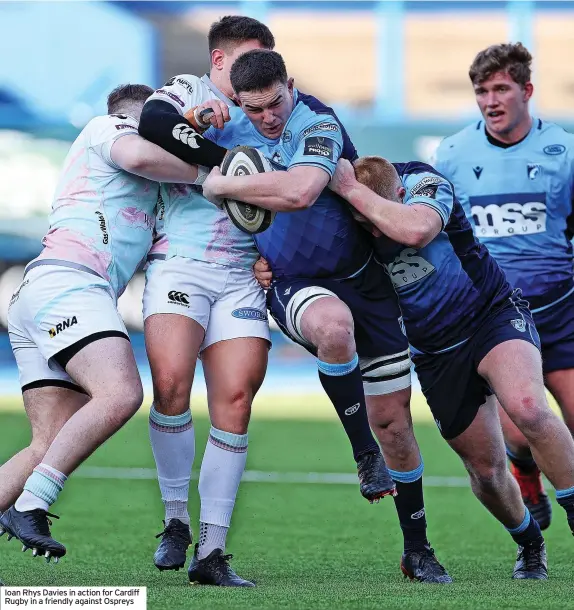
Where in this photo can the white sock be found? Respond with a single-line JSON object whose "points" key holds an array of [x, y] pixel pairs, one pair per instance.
{"points": [[221, 470], [41, 489], [173, 445]]}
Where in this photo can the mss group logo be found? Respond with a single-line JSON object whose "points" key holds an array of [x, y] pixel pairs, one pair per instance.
{"points": [[509, 214]]}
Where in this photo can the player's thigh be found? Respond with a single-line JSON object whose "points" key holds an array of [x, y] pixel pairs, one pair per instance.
{"points": [[48, 408], [513, 438], [481, 445], [235, 349], [106, 368], [234, 370], [177, 302]]}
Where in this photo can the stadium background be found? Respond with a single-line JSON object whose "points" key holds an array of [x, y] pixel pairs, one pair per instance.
{"points": [[395, 71]]}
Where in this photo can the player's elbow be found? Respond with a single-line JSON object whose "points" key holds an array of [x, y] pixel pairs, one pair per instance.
{"points": [[302, 196], [137, 159], [419, 236]]}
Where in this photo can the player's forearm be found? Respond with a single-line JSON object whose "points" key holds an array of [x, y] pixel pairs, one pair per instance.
{"points": [[276, 191], [161, 124], [154, 163], [401, 223]]}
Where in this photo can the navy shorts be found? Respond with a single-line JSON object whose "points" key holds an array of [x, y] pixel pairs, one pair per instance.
{"points": [[450, 382], [379, 333], [555, 325]]}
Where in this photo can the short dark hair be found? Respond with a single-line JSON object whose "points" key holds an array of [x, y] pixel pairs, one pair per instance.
{"points": [[256, 70], [512, 58], [236, 29], [127, 94]]}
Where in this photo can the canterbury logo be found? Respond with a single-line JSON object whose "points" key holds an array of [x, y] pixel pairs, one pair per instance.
{"points": [[178, 297], [186, 134], [352, 410]]}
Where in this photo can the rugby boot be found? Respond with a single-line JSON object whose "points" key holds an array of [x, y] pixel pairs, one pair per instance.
{"points": [[533, 495], [531, 561], [175, 540], [422, 565], [374, 477], [215, 570], [32, 528]]}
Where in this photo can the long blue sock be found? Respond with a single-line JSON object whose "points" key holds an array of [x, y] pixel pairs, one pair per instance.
{"points": [[343, 384]]}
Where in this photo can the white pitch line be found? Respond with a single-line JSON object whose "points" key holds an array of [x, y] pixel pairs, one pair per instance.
{"points": [[259, 476]]}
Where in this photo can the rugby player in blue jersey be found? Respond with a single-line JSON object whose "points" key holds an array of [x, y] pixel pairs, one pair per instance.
{"points": [[471, 335], [514, 175], [328, 295]]}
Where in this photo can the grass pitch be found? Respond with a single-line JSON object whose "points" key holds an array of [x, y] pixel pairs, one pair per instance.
{"points": [[306, 545]]}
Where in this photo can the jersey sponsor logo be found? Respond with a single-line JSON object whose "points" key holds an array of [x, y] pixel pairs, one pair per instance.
{"points": [[427, 187], [62, 326], [103, 228], [408, 268], [352, 410], [321, 147], [519, 324], [170, 82], [477, 171], [321, 127], [510, 214], [187, 135], [249, 313], [533, 170], [125, 126], [16, 295], [554, 149], [172, 96], [185, 84], [178, 298]]}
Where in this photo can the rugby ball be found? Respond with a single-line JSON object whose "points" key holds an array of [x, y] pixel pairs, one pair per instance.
{"points": [[246, 161]]}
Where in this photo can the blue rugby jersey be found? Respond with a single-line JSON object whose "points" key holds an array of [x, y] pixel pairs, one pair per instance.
{"points": [[519, 199], [323, 241], [447, 288]]}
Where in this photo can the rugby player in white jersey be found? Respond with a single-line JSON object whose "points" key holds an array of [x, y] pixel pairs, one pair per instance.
{"points": [[79, 378], [201, 299]]}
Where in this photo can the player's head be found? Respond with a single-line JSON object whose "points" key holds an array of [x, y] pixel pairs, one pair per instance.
{"points": [[128, 99], [263, 90], [229, 38], [500, 76], [382, 178]]}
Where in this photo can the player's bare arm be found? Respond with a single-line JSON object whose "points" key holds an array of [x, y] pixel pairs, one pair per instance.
{"points": [[295, 189], [138, 156], [414, 225]]}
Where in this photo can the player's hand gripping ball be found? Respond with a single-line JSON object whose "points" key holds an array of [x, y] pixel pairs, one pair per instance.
{"points": [[246, 161]]}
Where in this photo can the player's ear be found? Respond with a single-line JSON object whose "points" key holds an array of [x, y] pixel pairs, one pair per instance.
{"points": [[290, 83], [217, 57], [401, 192], [528, 91]]}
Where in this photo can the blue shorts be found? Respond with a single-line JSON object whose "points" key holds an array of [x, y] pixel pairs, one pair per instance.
{"points": [[379, 334], [450, 381], [555, 325]]}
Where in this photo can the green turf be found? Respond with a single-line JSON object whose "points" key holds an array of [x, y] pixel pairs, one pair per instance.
{"points": [[307, 546]]}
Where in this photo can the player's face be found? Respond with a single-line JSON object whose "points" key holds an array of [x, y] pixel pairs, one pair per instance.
{"points": [[270, 108], [503, 104]]}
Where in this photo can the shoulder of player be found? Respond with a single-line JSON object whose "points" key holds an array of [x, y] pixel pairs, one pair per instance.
{"points": [[306, 121], [109, 123], [417, 176], [190, 82], [553, 134], [460, 138]]}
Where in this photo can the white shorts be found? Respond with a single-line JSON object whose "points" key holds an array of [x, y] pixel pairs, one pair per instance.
{"points": [[227, 301], [55, 312]]}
